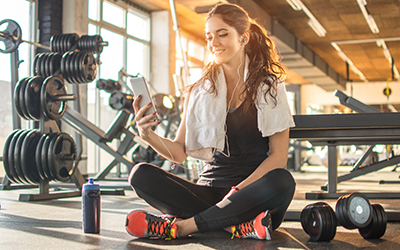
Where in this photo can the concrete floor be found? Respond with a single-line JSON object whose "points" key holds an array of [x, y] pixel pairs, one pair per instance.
{"points": [[56, 224]]}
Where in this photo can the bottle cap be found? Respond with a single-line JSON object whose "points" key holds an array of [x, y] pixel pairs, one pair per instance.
{"points": [[91, 185]]}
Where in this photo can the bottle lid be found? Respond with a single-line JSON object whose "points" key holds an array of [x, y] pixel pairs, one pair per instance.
{"points": [[91, 185]]}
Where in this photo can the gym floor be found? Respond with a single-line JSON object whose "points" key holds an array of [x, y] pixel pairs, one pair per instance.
{"points": [[56, 224]]}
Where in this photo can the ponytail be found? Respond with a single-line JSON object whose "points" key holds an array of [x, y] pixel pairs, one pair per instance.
{"points": [[264, 66]]}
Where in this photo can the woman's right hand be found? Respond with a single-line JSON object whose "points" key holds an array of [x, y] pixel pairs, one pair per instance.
{"points": [[143, 123]]}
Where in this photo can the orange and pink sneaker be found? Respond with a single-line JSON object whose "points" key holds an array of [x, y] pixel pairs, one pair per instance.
{"points": [[259, 228], [142, 224]]}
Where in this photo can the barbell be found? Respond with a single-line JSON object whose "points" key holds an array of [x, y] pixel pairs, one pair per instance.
{"points": [[11, 36], [34, 96]]}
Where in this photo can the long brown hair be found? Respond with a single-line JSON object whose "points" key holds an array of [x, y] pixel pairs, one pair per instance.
{"points": [[264, 66]]}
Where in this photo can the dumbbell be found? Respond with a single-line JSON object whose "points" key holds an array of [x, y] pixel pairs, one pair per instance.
{"points": [[319, 220]]}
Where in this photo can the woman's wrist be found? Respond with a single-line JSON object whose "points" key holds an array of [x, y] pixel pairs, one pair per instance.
{"points": [[235, 188]]}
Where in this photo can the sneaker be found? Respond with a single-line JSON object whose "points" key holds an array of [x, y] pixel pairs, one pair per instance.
{"points": [[142, 224], [259, 228]]}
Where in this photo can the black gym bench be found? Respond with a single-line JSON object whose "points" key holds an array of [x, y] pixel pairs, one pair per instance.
{"points": [[349, 129]]}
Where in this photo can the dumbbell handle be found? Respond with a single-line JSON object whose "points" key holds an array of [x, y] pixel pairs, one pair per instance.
{"points": [[63, 98], [69, 157], [103, 43]]}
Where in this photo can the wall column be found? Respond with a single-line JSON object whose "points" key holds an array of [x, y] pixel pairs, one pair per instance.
{"points": [[162, 52]]}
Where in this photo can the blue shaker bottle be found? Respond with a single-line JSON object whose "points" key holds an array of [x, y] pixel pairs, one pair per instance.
{"points": [[91, 207]]}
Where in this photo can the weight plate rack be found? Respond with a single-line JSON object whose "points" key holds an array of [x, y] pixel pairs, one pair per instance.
{"points": [[30, 156]]}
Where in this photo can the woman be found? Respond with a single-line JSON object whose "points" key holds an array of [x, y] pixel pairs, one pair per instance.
{"points": [[237, 119]]}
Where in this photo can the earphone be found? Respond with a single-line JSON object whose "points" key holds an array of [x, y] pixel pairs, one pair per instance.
{"points": [[244, 40]]}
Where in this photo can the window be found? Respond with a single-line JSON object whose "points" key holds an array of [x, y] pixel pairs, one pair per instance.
{"points": [[195, 55], [127, 32], [20, 11]]}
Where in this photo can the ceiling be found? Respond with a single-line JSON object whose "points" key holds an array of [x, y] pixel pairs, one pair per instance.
{"points": [[343, 21]]}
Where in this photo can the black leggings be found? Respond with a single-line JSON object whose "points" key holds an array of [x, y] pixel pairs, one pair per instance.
{"points": [[173, 195]]}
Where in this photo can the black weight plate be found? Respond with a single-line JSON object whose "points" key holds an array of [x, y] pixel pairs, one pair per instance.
{"points": [[62, 65], [6, 149], [88, 67], [67, 75], [62, 156], [14, 29], [28, 163], [305, 213], [81, 44], [325, 225], [99, 46], [381, 221], [44, 159], [341, 218], [329, 225], [75, 38], [17, 91], [315, 221], [32, 97], [345, 213], [359, 210], [333, 221], [71, 68], [36, 64], [64, 42], [22, 99], [61, 43], [53, 86], [17, 156], [78, 72], [38, 157], [48, 64], [74, 68], [42, 65], [58, 43], [11, 153], [52, 43], [68, 41], [55, 64], [377, 227], [81, 68]]}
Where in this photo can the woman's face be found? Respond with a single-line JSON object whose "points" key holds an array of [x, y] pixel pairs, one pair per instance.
{"points": [[223, 41]]}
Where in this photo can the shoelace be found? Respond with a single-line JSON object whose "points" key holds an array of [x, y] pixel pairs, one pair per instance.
{"points": [[160, 228], [244, 229]]}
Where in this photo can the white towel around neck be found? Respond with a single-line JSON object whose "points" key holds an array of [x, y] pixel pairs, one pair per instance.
{"points": [[206, 117]]}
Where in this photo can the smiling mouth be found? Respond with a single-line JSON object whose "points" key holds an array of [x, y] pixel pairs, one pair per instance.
{"points": [[218, 52]]}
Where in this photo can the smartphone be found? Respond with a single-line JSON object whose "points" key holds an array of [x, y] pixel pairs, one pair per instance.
{"points": [[139, 86]]}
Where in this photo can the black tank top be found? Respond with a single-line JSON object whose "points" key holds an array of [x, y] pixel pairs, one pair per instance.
{"points": [[247, 148]]}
